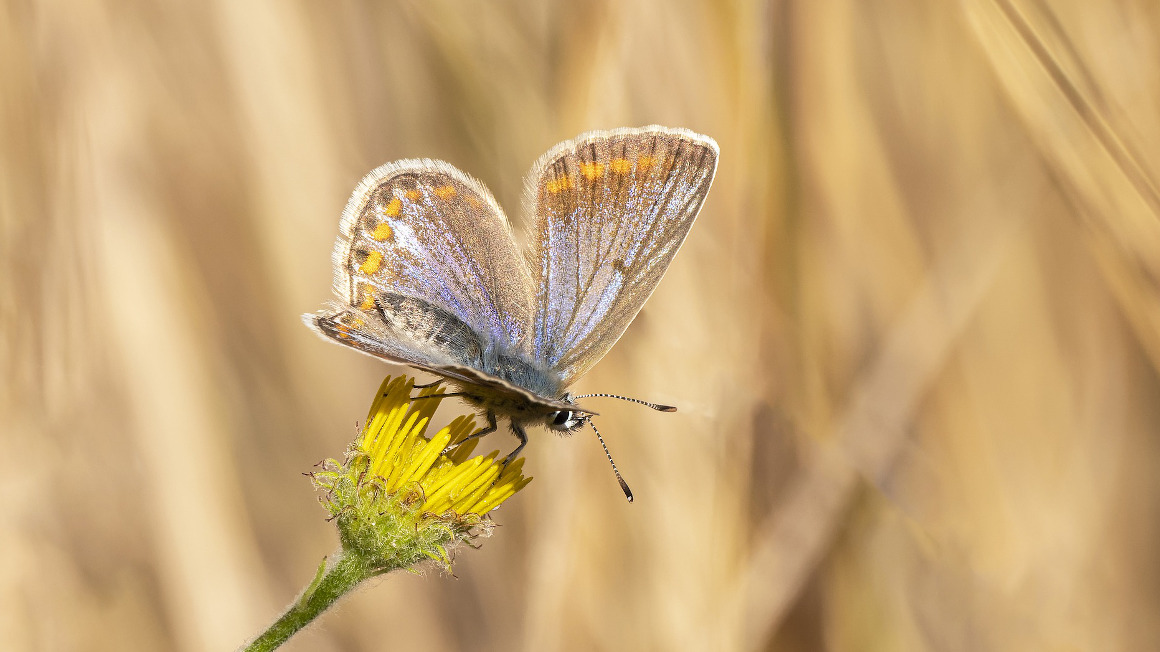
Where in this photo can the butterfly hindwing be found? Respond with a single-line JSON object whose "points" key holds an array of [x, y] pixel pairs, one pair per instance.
{"points": [[411, 344], [367, 333], [611, 209]]}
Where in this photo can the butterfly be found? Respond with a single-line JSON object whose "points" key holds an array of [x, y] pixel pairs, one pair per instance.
{"points": [[428, 272]]}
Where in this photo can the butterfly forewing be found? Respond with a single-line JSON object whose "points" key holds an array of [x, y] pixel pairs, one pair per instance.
{"points": [[611, 209], [426, 266]]}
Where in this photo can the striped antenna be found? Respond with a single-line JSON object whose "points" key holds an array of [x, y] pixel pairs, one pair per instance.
{"points": [[623, 484], [656, 406]]}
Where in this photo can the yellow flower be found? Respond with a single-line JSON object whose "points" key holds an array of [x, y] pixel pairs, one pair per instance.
{"points": [[451, 480], [401, 496]]}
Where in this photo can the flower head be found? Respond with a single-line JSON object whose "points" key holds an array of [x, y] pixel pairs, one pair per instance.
{"points": [[399, 496]]}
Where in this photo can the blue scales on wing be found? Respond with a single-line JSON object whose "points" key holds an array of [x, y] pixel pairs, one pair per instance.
{"points": [[611, 209], [427, 272]]}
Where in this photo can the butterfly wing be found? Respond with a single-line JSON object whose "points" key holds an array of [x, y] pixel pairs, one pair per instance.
{"points": [[611, 209], [427, 271], [406, 346]]}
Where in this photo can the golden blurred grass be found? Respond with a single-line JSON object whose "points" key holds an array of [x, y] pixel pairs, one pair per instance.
{"points": [[913, 337]]}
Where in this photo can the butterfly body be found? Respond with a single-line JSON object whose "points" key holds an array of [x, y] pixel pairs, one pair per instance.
{"points": [[428, 272]]}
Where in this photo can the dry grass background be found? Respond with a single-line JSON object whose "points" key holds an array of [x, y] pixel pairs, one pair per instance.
{"points": [[914, 335]]}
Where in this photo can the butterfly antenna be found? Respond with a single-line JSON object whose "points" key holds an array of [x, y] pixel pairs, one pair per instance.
{"points": [[623, 484], [656, 406]]}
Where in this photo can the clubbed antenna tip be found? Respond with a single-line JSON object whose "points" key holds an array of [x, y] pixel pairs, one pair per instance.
{"points": [[623, 484]]}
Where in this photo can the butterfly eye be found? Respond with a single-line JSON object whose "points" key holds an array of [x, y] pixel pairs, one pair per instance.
{"points": [[561, 418]]}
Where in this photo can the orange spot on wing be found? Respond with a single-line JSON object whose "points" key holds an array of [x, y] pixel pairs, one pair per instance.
{"points": [[393, 207], [342, 330], [445, 192], [381, 232], [620, 165], [413, 194], [559, 184], [645, 162], [368, 301], [592, 170], [372, 263]]}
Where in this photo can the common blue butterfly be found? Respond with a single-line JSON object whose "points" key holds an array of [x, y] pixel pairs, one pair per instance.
{"points": [[429, 274]]}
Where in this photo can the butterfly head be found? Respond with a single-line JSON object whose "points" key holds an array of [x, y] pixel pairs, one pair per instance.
{"points": [[567, 420]]}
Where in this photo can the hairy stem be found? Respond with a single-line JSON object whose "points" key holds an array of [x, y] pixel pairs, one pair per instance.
{"points": [[336, 576]]}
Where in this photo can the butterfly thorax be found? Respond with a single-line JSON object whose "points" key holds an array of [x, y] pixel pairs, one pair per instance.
{"points": [[505, 404]]}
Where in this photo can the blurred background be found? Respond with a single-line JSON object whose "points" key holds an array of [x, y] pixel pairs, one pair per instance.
{"points": [[914, 334]]}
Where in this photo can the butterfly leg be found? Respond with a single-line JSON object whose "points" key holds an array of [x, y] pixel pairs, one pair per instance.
{"points": [[518, 430], [491, 427], [430, 384]]}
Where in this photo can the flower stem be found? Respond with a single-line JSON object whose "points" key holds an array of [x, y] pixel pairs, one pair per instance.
{"points": [[338, 574]]}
